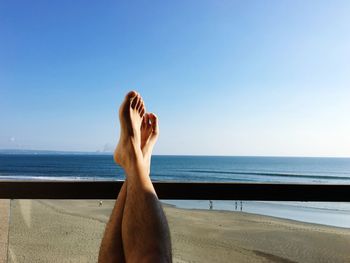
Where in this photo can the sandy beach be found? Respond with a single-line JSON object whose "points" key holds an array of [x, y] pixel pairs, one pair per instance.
{"points": [[71, 231], [4, 224]]}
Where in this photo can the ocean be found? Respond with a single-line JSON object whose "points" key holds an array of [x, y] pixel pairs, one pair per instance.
{"points": [[203, 169], [179, 168]]}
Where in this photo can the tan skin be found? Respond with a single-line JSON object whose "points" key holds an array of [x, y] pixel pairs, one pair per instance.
{"points": [[137, 230]]}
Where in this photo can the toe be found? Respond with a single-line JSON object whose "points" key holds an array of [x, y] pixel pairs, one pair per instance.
{"points": [[139, 105], [154, 123], [147, 119], [135, 102], [142, 113], [131, 94], [144, 123], [142, 109], [129, 98]]}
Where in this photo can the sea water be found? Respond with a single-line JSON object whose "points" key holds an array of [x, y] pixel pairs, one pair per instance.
{"points": [[202, 169]]}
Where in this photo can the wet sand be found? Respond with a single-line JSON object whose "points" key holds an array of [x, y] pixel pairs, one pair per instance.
{"points": [[71, 231]]}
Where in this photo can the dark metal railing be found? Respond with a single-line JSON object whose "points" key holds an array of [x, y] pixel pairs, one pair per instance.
{"points": [[177, 190]]}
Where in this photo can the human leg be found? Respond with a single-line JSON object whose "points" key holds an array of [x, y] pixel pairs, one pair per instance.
{"points": [[111, 249], [145, 230]]}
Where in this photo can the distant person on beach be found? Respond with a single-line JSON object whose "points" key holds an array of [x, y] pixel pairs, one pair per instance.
{"points": [[137, 230]]}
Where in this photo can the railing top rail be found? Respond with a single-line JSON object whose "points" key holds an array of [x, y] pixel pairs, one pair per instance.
{"points": [[177, 190]]}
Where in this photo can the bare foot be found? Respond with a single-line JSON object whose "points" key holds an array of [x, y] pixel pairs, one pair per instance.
{"points": [[149, 136], [129, 146]]}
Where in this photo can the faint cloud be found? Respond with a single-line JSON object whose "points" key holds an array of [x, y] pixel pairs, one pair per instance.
{"points": [[14, 143]]}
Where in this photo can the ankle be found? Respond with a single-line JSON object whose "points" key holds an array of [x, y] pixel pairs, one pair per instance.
{"points": [[137, 167]]}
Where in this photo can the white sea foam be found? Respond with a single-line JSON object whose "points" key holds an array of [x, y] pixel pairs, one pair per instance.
{"points": [[50, 178]]}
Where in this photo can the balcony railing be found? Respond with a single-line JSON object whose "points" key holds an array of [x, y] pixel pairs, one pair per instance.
{"points": [[177, 190]]}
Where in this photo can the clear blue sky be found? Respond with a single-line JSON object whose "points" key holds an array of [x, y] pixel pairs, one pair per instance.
{"points": [[224, 77]]}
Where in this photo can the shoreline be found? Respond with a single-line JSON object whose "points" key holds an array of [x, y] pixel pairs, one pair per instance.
{"points": [[291, 221], [305, 212]]}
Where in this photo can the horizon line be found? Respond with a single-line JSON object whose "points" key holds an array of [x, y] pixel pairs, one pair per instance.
{"points": [[33, 151]]}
